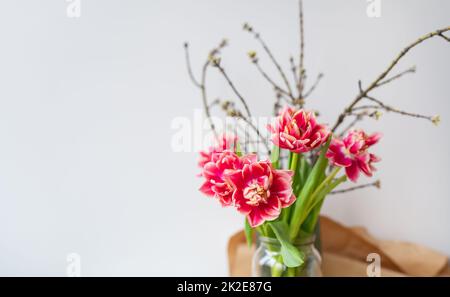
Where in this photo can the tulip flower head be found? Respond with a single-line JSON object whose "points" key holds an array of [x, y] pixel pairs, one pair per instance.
{"points": [[260, 192], [298, 131], [351, 152]]}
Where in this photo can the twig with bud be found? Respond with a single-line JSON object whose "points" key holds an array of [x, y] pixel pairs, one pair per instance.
{"points": [[376, 184], [313, 87], [405, 113], [277, 104], [257, 36], [216, 63], [254, 60], [301, 67], [352, 124], [397, 76], [363, 93], [230, 110], [294, 73], [202, 84]]}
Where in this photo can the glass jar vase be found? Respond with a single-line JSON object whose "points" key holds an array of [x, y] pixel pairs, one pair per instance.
{"points": [[267, 260]]}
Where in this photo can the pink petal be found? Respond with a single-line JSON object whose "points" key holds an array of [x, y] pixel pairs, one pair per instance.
{"points": [[226, 200], [255, 218], [289, 202], [272, 209], [256, 170], [365, 168], [374, 158], [250, 158], [373, 139], [352, 172], [210, 170], [206, 189], [235, 178]]}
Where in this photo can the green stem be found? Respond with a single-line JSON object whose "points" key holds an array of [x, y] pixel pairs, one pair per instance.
{"points": [[261, 230], [326, 181], [285, 214], [310, 185], [317, 204], [294, 162], [333, 185], [277, 268], [290, 272], [275, 157]]}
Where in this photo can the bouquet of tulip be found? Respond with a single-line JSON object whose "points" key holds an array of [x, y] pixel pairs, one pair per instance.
{"points": [[285, 203], [280, 190]]}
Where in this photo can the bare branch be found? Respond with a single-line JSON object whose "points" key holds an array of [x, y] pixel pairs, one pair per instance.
{"points": [[405, 113], [445, 37], [258, 133], [202, 87], [301, 67], [376, 184], [313, 87], [362, 94], [358, 114], [366, 107], [277, 105], [269, 80], [294, 73], [214, 103], [202, 83], [205, 100], [230, 83], [352, 124], [257, 36], [189, 68], [231, 111], [388, 80]]}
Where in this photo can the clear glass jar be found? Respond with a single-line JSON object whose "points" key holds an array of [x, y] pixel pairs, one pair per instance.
{"points": [[267, 259]]}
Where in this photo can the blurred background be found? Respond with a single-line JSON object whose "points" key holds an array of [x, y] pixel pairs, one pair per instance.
{"points": [[87, 106]]}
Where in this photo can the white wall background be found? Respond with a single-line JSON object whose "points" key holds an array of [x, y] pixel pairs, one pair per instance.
{"points": [[86, 105]]}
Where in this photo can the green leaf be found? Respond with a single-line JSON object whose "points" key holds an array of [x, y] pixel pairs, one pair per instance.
{"points": [[296, 179], [311, 221], [303, 171], [248, 232], [303, 199], [292, 257]]}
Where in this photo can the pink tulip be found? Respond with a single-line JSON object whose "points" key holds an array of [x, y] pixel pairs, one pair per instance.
{"points": [[215, 170], [351, 152], [298, 131], [225, 142], [260, 192]]}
